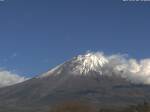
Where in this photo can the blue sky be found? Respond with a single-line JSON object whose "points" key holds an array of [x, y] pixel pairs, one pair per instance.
{"points": [[37, 35]]}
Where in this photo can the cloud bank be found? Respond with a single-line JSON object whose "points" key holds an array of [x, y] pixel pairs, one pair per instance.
{"points": [[8, 78], [136, 71]]}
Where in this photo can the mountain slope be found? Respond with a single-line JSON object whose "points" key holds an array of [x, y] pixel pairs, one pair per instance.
{"points": [[85, 77]]}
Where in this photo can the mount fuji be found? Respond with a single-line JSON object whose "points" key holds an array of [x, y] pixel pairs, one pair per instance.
{"points": [[91, 77]]}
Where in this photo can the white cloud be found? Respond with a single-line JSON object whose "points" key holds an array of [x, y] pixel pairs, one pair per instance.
{"points": [[137, 71], [8, 78]]}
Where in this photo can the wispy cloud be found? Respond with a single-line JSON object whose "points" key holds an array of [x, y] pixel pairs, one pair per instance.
{"points": [[2, 0], [9, 58], [45, 61], [13, 55]]}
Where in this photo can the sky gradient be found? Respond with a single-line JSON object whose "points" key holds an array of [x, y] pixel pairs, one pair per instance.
{"points": [[37, 35]]}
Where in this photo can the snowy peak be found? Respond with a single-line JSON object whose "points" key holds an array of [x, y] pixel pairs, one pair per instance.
{"points": [[89, 62], [80, 65]]}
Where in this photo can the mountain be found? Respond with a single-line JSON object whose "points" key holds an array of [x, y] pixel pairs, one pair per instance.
{"points": [[89, 77]]}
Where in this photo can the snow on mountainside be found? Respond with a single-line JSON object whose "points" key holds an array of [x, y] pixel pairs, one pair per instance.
{"points": [[81, 64], [130, 69], [89, 62]]}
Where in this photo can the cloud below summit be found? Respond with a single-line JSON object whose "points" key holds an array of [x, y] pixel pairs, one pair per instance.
{"points": [[137, 71], [8, 78]]}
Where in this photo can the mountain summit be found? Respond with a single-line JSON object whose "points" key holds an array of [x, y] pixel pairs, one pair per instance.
{"points": [[81, 65], [84, 64]]}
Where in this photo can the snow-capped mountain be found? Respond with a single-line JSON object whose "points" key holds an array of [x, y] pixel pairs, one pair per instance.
{"points": [[97, 63], [81, 65], [92, 77]]}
